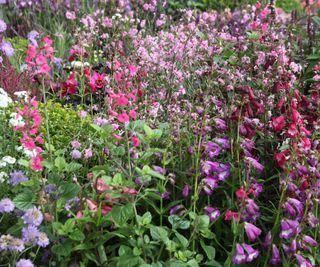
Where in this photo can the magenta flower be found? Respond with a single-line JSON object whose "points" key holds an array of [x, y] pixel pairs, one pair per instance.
{"points": [[252, 231], [240, 256], [252, 253], [289, 228], [303, 261], [186, 191]]}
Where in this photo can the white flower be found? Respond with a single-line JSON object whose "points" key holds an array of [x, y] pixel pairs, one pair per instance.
{"points": [[77, 64], [3, 163], [9, 159], [5, 99], [30, 153], [22, 95], [16, 120], [3, 175]]}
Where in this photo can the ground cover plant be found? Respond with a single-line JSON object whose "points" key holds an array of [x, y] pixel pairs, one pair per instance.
{"points": [[159, 133]]}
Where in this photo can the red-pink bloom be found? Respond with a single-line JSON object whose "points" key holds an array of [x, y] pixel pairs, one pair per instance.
{"points": [[296, 117], [105, 209], [278, 123], [70, 85], [135, 140], [231, 215], [281, 158], [92, 205], [124, 118], [264, 26], [292, 130], [101, 186], [129, 191], [241, 193]]}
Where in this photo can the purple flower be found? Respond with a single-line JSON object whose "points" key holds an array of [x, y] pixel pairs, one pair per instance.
{"points": [[50, 188], [178, 209], [267, 240], [16, 177], [209, 184], [224, 142], [309, 241], [240, 256], [75, 144], [256, 165], [30, 234], [223, 171], [7, 48], [252, 231], [213, 213], [213, 150], [159, 169], [32, 36], [6, 205], [190, 150], [186, 191], [33, 217], [221, 124], [3, 26], [24, 263], [42, 240], [294, 207], [275, 259], [252, 253], [75, 154], [166, 195], [302, 261], [209, 166], [289, 228], [312, 220], [251, 211]]}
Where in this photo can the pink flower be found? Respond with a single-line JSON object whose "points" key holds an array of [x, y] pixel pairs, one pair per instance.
{"points": [[132, 69], [124, 118], [122, 101], [133, 114], [71, 15], [264, 26], [278, 123], [252, 231], [36, 163], [97, 81]]}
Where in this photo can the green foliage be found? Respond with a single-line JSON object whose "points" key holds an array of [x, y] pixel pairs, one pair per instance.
{"points": [[64, 125]]}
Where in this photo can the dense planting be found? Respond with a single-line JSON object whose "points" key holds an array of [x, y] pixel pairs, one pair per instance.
{"points": [[138, 133]]}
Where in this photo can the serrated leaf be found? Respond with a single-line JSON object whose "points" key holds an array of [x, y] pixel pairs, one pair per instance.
{"points": [[60, 163], [25, 200], [77, 235]]}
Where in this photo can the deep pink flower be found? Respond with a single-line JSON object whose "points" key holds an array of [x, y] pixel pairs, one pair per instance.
{"points": [[122, 101], [97, 81], [278, 123], [123, 117], [135, 140]]}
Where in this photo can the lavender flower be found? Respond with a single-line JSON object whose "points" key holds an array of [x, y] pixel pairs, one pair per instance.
{"points": [[309, 241], [252, 231], [6, 205], [50, 188], [166, 195], [294, 207], [224, 142], [33, 217], [24, 263], [213, 213], [7, 48], [221, 124], [16, 177], [75, 154], [209, 184], [42, 240], [178, 209], [16, 245], [30, 234], [5, 241], [276, 258], [3, 26], [159, 169]]}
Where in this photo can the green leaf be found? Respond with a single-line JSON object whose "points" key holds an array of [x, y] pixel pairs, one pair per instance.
{"points": [[159, 234], [25, 200], [73, 166], [69, 190], [148, 131], [121, 214], [62, 249], [128, 261], [209, 250], [183, 241], [60, 163], [117, 179], [77, 235]]}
